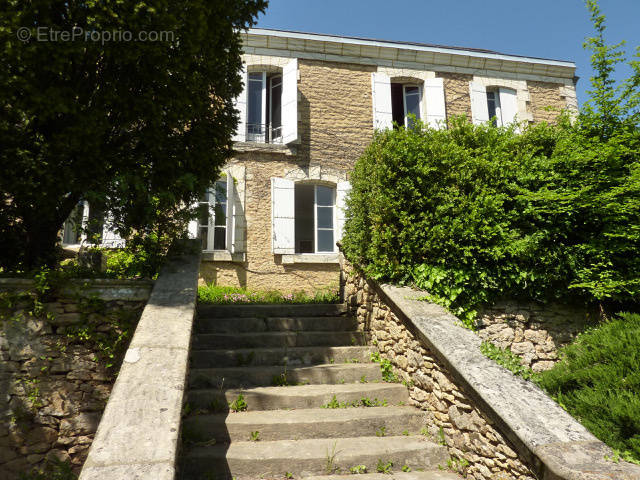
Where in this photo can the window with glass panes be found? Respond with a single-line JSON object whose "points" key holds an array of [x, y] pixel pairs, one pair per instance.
{"points": [[212, 217], [314, 218]]}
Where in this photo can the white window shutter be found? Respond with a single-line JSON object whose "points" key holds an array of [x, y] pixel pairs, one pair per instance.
{"points": [[342, 191], [434, 96], [508, 105], [381, 95], [479, 106], [192, 227], [283, 215], [230, 214], [240, 103], [110, 237], [290, 101]]}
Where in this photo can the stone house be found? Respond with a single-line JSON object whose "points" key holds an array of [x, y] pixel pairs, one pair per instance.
{"points": [[309, 109]]}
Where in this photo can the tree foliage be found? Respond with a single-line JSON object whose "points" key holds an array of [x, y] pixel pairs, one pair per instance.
{"points": [[138, 128]]}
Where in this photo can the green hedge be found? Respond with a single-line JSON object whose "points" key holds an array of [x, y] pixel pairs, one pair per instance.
{"points": [[598, 382], [473, 213]]}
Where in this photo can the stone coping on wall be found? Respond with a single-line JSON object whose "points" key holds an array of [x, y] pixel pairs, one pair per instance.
{"points": [[553, 443], [103, 288], [139, 431]]}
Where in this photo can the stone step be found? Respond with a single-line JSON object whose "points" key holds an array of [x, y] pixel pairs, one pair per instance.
{"points": [[275, 324], [433, 475], [303, 424], [207, 341], [279, 356], [278, 375], [263, 311], [311, 456], [304, 396]]}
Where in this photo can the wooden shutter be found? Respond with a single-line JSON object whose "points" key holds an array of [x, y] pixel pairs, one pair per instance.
{"points": [[290, 101], [283, 215], [342, 191], [508, 105], [230, 213], [381, 94], [240, 103], [434, 97], [479, 107]]}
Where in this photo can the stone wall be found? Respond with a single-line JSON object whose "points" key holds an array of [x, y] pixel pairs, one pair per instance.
{"points": [[451, 415], [533, 331], [56, 373]]}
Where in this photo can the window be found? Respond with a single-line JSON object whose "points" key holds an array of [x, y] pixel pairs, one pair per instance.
{"points": [[493, 104], [90, 225], [405, 100], [212, 217], [314, 218], [264, 106]]}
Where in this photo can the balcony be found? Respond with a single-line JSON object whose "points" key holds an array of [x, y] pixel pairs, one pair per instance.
{"points": [[263, 133]]}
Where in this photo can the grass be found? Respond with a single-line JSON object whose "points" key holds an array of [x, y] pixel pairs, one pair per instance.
{"points": [[363, 402], [598, 382], [222, 295]]}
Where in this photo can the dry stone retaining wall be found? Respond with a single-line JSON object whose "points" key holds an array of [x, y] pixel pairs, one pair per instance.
{"points": [[55, 379], [451, 415], [533, 331]]}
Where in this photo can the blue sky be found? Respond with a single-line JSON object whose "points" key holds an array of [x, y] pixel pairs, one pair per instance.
{"points": [[539, 28]]}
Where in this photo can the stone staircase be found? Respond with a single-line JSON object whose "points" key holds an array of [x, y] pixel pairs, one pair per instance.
{"points": [[260, 377]]}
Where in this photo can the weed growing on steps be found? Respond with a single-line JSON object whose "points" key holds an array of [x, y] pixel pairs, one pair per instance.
{"points": [[238, 405], [459, 465], [384, 467], [358, 469], [330, 466], [386, 368], [381, 432], [363, 379], [441, 438], [405, 433], [255, 436], [406, 468], [424, 431], [288, 475], [363, 402]]}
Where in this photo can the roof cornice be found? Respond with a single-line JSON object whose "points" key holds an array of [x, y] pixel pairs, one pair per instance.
{"points": [[402, 54]]}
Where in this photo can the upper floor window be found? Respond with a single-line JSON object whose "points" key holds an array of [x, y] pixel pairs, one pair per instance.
{"points": [[268, 105], [264, 107], [405, 100], [496, 104], [396, 101]]}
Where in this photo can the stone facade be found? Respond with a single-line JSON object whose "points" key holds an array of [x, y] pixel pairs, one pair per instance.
{"points": [[55, 378], [477, 448], [532, 331], [335, 118]]}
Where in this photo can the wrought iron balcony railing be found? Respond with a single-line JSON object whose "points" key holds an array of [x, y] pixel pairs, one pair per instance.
{"points": [[263, 133]]}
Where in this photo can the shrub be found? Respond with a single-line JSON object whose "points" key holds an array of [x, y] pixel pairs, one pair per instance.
{"points": [[598, 382], [473, 213]]}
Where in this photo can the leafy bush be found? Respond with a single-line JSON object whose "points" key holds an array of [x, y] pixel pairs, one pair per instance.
{"points": [[219, 294], [598, 382], [473, 213]]}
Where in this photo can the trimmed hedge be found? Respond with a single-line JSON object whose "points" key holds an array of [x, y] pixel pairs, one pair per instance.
{"points": [[598, 382], [474, 213]]}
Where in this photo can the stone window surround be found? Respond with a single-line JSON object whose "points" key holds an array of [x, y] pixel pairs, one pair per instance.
{"points": [[522, 93], [410, 76]]}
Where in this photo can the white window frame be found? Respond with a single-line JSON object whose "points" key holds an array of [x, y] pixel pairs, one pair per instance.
{"points": [[404, 101], [496, 100], [272, 138], [317, 229], [257, 137], [227, 180]]}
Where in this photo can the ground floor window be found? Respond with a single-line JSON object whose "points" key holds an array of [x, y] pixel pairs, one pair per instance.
{"points": [[212, 217], [314, 218]]}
